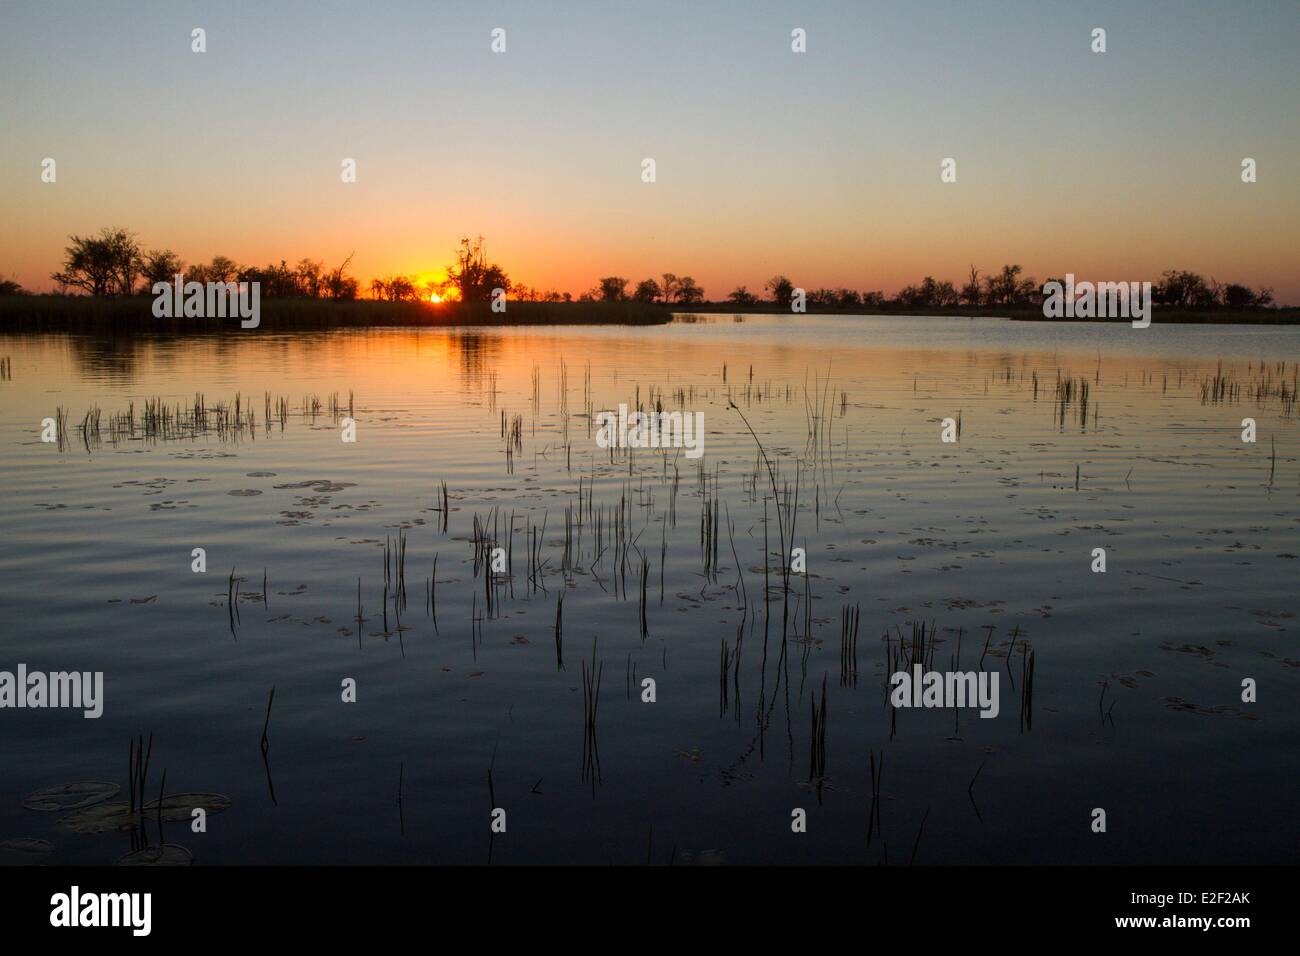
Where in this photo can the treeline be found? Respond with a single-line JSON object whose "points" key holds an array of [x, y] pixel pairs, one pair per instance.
{"points": [[1008, 287], [673, 290], [113, 263]]}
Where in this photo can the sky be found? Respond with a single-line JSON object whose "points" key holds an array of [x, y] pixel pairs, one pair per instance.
{"points": [[823, 165]]}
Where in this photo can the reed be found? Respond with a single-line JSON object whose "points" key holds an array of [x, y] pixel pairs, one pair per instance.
{"points": [[591, 679], [1026, 687], [970, 790], [559, 631], [723, 670], [817, 750], [873, 813], [920, 830], [266, 724], [645, 577], [849, 617]]}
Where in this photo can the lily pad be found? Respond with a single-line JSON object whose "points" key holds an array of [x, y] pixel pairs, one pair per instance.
{"points": [[102, 818], [169, 854], [70, 796], [181, 806], [176, 807], [23, 851]]}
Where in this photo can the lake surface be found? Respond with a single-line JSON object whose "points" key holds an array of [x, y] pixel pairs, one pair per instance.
{"points": [[1136, 703]]}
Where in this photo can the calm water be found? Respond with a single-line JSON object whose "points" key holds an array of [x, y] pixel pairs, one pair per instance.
{"points": [[1136, 701]]}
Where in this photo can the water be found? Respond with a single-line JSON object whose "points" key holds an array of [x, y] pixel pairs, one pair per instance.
{"points": [[1136, 703]]}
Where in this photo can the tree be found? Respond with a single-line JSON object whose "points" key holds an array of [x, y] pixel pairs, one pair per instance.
{"points": [[395, 289], [944, 295], [106, 264], [688, 292], [782, 290], [613, 289], [160, 265], [308, 277], [669, 287], [912, 296], [971, 293], [931, 293], [10, 287], [1007, 288], [741, 296], [1183, 289], [340, 286], [647, 290], [472, 276], [222, 269], [1238, 296], [274, 281]]}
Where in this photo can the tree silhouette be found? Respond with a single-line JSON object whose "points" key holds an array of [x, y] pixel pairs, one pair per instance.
{"points": [[472, 276], [669, 287], [160, 265], [106, 264], [689, 291], [340, 286], [613, 289], [308, 276], [647, 290], [782, 290]]}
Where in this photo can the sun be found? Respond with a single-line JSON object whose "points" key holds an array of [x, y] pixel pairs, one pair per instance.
{"points": [[434, 285]]}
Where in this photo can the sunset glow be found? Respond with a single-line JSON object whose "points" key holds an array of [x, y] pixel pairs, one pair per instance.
{"points": [[823, 167]]}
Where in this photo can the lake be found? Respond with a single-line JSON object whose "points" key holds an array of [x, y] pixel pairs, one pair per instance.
{"points": [[476, 690]]}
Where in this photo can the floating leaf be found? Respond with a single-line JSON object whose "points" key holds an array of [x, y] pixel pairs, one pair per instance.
{"points": [[176, 808], [169, 854], [181, 806], [103, 818], [70, 796]]}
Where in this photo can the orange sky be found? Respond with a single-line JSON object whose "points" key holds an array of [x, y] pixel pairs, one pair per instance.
{"points": [[823, 166]]}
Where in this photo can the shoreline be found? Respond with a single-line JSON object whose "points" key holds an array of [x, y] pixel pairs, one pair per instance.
{"points": [[55, 313]]}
